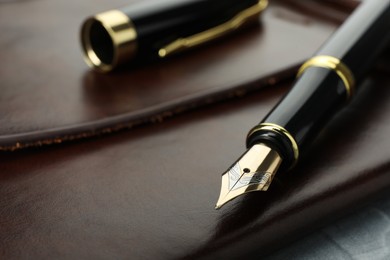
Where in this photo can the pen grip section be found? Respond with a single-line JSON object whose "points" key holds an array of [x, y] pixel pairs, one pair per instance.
{"points": [[316, 96]]}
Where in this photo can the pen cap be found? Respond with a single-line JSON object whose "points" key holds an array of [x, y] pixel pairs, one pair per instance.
{"points": [[153, 29]]}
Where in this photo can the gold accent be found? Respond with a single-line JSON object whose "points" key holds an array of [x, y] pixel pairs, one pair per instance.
{"points": [[336, 65], [280, 130], [254, 171], [236, 22], [108, 39]]}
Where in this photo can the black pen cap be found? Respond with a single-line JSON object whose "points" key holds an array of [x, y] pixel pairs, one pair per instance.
{"points": [[154, 29]]}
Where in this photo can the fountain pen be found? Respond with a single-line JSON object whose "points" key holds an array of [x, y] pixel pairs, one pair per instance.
{"points": [[324, 83]]}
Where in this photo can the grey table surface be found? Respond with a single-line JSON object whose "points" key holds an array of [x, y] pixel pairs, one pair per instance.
{"points": [[365, 234]]}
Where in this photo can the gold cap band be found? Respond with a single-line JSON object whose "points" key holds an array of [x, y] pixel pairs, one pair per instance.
{"points": [[280, 130], [336, 65], [108, 39]]}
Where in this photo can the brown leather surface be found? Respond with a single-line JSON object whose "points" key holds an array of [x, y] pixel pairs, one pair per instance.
{"points": [[149, 193], [49, 95]]}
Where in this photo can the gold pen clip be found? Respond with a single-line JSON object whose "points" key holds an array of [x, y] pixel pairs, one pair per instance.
{"points": [[233, 24]]}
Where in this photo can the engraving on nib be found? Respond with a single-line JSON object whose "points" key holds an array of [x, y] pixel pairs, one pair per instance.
{"points": [[254, 171], [239, 179]]}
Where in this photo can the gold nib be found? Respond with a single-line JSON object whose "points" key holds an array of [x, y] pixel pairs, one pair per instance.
{"points": [[254, 171]]}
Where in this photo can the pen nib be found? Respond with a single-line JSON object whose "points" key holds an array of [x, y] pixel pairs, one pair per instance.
{"points": [[254, 171]]}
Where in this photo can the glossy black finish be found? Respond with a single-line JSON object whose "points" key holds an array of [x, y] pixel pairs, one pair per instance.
{"points": [[362, 38], [316, 96], [319, 92], [159, 23]]}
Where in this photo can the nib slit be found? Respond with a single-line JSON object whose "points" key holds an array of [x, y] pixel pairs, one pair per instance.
{"points": [[240, 178]]}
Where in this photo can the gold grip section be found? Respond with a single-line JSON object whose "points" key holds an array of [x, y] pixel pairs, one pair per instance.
{"points": [[337, 66], [235, 23], [280, 130], [108, 40]]}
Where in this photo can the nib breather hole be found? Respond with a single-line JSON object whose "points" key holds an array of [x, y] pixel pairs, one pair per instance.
{"points": [[246, 170]]}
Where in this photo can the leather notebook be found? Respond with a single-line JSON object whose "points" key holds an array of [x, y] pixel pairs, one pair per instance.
{"points": [[77, 182]]}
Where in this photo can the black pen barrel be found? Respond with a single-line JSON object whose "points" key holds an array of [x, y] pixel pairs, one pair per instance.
{"points": [[153, 29], [326, 82], [361, 39]]}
